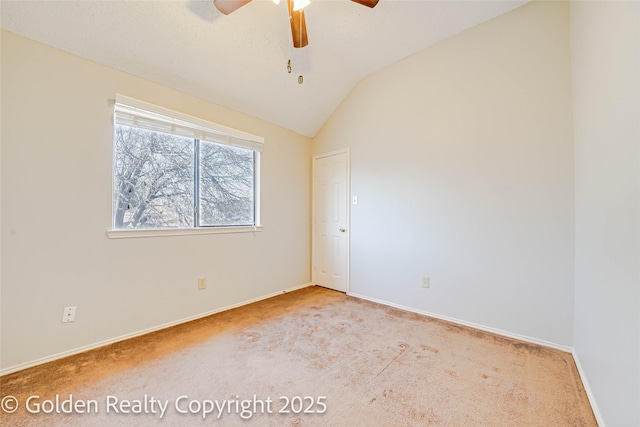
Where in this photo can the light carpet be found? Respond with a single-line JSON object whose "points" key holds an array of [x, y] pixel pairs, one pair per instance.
{"points": [[327, 358]]}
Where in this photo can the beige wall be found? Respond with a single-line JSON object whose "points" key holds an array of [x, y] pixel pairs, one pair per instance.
{"points": [[605, 49], [57, 140], [462, 161]]}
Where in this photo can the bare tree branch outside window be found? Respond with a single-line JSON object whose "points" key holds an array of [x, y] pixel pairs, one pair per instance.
{"points": [[226, 185], [154, 184]]}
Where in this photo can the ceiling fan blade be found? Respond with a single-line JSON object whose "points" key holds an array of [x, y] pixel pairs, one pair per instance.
{"points": [[298, 26], [228, 6], [368, 3]]}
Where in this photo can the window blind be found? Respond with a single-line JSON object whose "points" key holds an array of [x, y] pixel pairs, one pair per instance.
{"points": [[133, 112]]}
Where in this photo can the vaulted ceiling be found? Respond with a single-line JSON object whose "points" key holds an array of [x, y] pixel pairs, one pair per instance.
{"points": [[240, 60]]}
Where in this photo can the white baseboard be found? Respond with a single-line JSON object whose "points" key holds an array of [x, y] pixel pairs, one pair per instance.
{"points": [[82, 349], [587, 388], [469, 324]]}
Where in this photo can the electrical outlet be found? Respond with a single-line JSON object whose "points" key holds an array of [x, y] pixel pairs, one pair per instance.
{"points": [[202, 283], [425, 282], [68, 314]]}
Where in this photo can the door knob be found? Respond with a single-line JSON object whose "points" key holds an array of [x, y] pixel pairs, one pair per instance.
{"points": [[342, 230]]}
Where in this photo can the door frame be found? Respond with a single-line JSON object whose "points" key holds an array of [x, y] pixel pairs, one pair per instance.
{"points": [[317, 157]]}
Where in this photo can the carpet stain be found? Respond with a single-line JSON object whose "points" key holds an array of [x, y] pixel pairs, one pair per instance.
{"points": [[251, 336], [430, 349], [403, 347], [355, 317]]}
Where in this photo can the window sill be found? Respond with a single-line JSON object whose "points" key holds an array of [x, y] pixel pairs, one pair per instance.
{"points": [[132, 234]]}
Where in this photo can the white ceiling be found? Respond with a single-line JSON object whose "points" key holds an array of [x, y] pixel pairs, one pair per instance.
{"points": [[239, 61]]}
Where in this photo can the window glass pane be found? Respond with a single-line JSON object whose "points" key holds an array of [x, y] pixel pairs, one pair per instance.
{"points": [[226, 185], [153, 180]]}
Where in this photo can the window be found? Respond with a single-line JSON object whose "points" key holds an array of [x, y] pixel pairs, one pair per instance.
{"points": [[173, 171]]}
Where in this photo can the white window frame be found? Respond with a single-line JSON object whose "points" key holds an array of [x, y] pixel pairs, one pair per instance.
{"points": [[137, 113]]}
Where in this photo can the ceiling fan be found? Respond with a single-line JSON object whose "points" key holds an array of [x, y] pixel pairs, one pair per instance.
{"points": [[296, 15]]}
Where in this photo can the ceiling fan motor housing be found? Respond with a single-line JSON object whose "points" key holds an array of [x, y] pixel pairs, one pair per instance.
{"points": [[296, 17]]}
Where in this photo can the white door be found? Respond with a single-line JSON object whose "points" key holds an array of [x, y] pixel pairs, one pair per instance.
{"points": [[331, 221]]}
